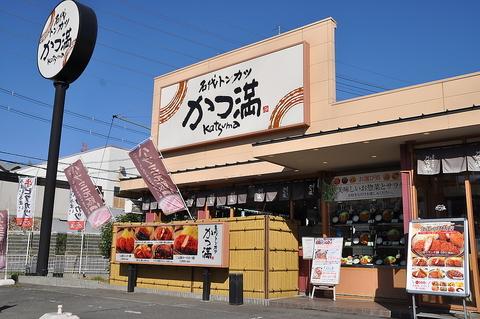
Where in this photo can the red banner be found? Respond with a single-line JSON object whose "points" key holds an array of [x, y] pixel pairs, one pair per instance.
{"points": [[86, 194], [150, 166], [3, 238]]}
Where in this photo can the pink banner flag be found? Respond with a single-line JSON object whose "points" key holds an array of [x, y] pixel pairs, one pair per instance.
{"points": [[150, 166], [86, 194], [3, 238]]}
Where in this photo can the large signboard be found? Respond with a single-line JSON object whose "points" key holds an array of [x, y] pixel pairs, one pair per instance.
{"points": [[367, 186], [165, 244], [26, 201], [438, 257], [327, 254], [261, 94]]}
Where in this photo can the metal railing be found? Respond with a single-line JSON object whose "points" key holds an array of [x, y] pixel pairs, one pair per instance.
{"points": [[59, 264]]}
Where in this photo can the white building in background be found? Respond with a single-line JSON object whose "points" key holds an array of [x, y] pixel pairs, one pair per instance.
{"points": [[105, 165]]}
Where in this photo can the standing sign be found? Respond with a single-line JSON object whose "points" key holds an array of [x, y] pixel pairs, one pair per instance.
{"points": [[86, 194], [75, 217], [244, 98], [65, 47], [67, 41], [180, 244], [327, 254], [150, 166], [438, 257], [367, 186], [3, 238], [26, 201]]}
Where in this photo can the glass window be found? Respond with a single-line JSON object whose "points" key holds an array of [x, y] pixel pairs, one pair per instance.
{"points": [[441, 196]]}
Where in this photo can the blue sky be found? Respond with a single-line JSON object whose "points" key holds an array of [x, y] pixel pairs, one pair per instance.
{"points": [[379, 45]]}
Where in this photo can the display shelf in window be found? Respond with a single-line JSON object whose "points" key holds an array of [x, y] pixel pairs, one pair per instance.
{"points": [[372, 231]]}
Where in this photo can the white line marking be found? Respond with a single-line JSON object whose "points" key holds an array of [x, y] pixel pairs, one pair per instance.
{"points": [[135, 312]]}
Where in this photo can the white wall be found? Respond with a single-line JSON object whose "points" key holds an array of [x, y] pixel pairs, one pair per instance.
{"points": [[104, 173], [8, 200]]}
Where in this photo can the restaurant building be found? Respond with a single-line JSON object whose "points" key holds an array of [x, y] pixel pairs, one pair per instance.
{"points": [[255, 138]]}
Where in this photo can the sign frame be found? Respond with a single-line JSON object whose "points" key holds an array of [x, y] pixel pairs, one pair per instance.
{"points": [[156, 136], [465, 255], [336, 241], [225, 253], [80, 49]]}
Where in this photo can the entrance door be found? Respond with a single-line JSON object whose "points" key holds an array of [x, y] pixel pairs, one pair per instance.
{"points": [[444, 196], [475, 186]]}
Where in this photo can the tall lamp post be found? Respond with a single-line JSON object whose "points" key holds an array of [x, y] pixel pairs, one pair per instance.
{"points": [[65, 47]]}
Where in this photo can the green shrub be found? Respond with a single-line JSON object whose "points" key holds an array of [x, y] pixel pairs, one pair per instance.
{"points": [[107, 232]]}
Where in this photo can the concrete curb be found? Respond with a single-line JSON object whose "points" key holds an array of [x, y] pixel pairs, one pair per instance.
{"points": [[92, 284]]}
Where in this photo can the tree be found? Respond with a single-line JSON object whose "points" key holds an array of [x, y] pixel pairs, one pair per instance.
{"points": [[107, 232]]}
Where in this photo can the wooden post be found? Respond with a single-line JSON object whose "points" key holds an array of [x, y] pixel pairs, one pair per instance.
{"points": [[292, 209], [266, 255], [325, 217], [205, 209], [473, 242]]}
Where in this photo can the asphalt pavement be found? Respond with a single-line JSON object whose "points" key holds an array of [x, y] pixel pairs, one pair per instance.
{"points": [[31, 301]]}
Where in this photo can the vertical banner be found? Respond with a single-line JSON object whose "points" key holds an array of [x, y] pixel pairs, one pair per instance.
{"points": [[75, 217], [25, 201], [327, 253], [87, 196], [3, 238], [149, 164]]}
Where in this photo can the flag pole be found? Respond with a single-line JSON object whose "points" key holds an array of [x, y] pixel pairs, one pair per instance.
{"points": [[81, 251], [176, 186], [6, 250], [30, 235]]}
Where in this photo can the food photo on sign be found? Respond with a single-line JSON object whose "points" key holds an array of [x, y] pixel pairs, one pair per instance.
{"points": [[437, 260], [184, 244]]}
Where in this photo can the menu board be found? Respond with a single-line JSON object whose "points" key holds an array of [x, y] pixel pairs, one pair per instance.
{"points": [[438, 257], [179, 244], [326, 261]]}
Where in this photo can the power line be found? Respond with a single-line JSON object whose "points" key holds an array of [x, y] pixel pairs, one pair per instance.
{"points": [[136, 55], [125, 119], [119, 83], [118, 66], [36, 117], [191, 26], [171, 34], [373, 72], [353, 90], [44, 168], [139, 72], [110, 47], [124, 35], [63, 163], [350, 79], [356, 87], [72, 113], [351, 93]]}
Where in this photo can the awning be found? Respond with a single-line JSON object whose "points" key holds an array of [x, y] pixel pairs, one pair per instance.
{"points": [[448, 160], [259, 195]]}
